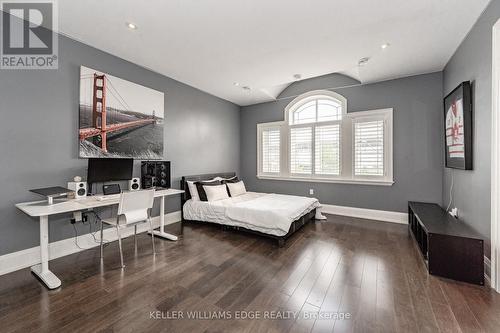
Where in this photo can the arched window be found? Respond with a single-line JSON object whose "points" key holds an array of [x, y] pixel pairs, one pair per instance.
{"points": [[316, 106], [315, 133], [319, 140]]}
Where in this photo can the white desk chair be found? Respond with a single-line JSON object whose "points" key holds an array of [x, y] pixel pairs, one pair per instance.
{"points": [[134, 208]]}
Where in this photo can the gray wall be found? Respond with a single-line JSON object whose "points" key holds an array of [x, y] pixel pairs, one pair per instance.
{"points": [[472, 61], [418, 140], [38, 134]]}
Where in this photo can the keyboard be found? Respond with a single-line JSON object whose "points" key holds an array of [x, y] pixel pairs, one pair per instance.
{"points": [[107, 197]]}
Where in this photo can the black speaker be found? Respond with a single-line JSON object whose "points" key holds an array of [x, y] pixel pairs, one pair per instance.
{"points": [[155, 174]]}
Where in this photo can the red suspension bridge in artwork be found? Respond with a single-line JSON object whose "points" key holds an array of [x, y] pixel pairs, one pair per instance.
{"points": [[101, 126]]}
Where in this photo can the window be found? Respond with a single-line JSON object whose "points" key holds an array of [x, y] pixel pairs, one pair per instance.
{"points": [[327, 150], [305, 114], [319, 109], [369, 148], [301, 150], [314, 127], [319, 141], [270, 150]]}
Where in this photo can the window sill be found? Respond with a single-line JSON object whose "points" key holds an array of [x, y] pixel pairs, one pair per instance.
{"points": [[327, 180]]}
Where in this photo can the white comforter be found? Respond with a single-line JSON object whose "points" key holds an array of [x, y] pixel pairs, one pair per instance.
{"points": [[268, 213]]}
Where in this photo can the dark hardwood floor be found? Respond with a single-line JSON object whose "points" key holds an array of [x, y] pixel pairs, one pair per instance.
{"points": [[368, 271]]}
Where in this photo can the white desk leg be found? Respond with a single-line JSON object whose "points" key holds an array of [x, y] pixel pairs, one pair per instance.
{"points": [[161, 233], [42, 270]]}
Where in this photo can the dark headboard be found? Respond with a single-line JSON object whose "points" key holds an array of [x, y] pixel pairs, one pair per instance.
{"points": [[195, 178]]}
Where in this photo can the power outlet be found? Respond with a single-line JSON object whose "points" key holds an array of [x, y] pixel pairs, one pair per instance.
{"points": [[454, 212], [77, 216], [311, 191]]}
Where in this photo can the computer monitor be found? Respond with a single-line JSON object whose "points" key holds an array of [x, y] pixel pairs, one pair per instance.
{"points": [[102, 170]]}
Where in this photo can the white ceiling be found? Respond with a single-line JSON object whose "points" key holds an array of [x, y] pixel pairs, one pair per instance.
{"points": [[210, 44]]}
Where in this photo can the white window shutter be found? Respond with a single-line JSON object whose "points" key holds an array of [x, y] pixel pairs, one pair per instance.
{"points": [[327, 150], [301, 150], [271, 150], [369, 148]]}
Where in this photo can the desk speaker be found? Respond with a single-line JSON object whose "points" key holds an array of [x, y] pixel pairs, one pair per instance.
{"points": [[134, 184], [79, 189], [155, 174]]}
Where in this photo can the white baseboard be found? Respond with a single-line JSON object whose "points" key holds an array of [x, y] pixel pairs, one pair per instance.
{"points": [[26, 258], [363, 213]]}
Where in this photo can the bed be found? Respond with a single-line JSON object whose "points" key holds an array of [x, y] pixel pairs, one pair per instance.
{"points": [[267, 214]]}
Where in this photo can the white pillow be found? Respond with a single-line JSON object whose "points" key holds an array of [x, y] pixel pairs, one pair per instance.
{"points": [[193, 191], [216, 192], [236, 189]]}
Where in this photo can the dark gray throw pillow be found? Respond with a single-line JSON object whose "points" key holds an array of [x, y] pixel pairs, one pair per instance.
{"points": [[201, 190]]}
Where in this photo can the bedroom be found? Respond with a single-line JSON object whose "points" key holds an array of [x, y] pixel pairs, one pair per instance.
{"points": [[283, 166]]}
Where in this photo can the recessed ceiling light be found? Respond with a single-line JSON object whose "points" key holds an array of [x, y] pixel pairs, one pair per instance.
{"points": [[297, 76], [131, 26], [363, 61], [236, 84], [246, 88], [385, 45]]}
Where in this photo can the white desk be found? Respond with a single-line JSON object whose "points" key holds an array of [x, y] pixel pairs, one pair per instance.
{"points": [[42, 210]]}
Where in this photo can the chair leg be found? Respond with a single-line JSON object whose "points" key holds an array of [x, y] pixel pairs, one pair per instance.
{"points": [[135, 236], [102, 247], [120, 245], [152, 235]]}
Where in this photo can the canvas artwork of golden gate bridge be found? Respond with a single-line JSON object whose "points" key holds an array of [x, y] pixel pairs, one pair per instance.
{"points": [[119, 118]]}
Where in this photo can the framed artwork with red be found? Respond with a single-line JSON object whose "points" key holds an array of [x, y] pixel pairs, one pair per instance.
{"points": [[458, 127]]}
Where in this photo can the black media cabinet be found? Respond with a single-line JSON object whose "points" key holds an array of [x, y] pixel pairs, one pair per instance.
{"points": [[449, 247]]}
